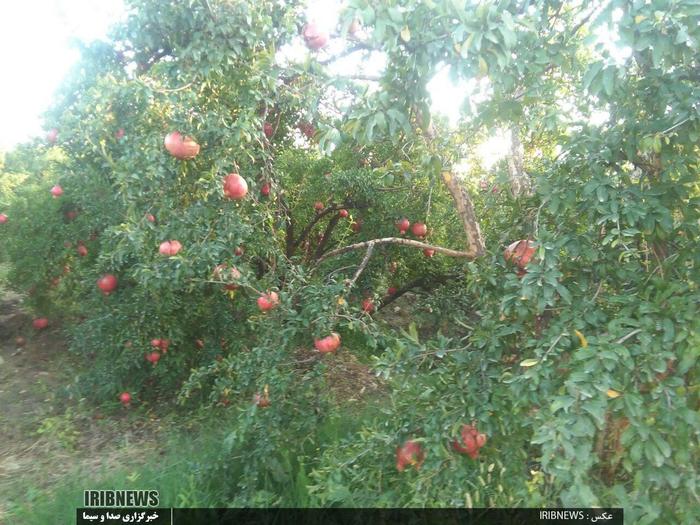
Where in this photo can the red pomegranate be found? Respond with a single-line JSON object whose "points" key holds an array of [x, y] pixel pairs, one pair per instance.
{"points": [[125, 398], [119, 133], [409, 454], [238, 251], [268, 301], [183, 148], [357, 226], [330, 343], [153, 357], [318, 206], [268, 129], [261, 400], [235, 186], [3, 218], [307, 129], [343, 213], [520, 252], [314, 37], [471, 441], [391, 290], [428, 252], [82, 250], [107, 283], [40, 323], [265, 190], [170, 248], [56, 191], [150, 218], [419, 229], [367, 305], [403, 225]]}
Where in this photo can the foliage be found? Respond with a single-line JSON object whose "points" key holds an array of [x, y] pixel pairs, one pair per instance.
{"points": [[581, 369]]}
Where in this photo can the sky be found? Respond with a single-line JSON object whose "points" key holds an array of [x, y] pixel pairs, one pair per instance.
{"points": [[36, 54]]}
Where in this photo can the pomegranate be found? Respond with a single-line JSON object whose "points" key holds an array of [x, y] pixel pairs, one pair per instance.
{"points": [[356, 226], [367, 305], [265, 190], [125, 398], [238, 251], [343, 213], [119, 133], [409, 454], [155, 343], [307, 129], [199, 343], [52, 136], [40, 323], [314, 37], [330, 343], [428, 252], [268, 301], [20, 341], [235, 186], [3, 218], [150, 218], [223, 273], [164, 344], [153, 357], [107, 283], [183, 148], [419, 229], [403, 225], [170, 248], [520, 252], [471, 441], [268, 129], [318, 206], [82, 250], [56, 191], [391, 290]]}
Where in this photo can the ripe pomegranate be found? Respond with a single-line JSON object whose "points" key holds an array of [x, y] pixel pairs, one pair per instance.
{"points": [[268, 301], [356, 226], [125, 398], [314, 37], [367, 305], [419, 229], [391, 290], [520, 252], [52, 136], [40, 323], [20, 341], [318, 206], [268, 129], [153, 357], [150, 218], [82, 250], [471, 441], [164, 344], [199, 343], [183, 148], [238, 251], [428, 252], [155, 343], [409, 454], [343, 213], [235, 186], [3, 218], [119, 133], [330, 343], [56, 191], [403, 225], [107, 283], [265, 190], [307, 129], [170, 248]]}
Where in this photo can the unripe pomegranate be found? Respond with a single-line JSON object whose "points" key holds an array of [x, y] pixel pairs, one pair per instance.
{"points": [[419, 229], [403, 225], [330, 343], [318, 206], [182, 148], [125, 398], [40, 323], [170, 248], [343, 213], [265, 190], [235, 186], [314, 37], [428, 252], [3, 218], [107, 283], [56, 191], [409, 454]]}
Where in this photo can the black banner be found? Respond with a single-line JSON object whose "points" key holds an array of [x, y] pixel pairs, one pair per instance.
{"points": [[162, 516]]}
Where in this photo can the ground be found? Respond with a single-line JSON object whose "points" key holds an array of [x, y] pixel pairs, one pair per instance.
{"points": [[45, 435]]}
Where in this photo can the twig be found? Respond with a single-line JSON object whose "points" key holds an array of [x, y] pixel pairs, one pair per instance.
{"points": [[626, 337]]}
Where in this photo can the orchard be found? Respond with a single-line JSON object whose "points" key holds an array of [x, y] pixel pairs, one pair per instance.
{"points": [[253, 199]]}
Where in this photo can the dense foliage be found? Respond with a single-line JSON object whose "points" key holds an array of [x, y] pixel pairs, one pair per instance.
{"points": [[579, 367]]}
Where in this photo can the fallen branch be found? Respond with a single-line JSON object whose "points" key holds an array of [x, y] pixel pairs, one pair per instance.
{"points": [[404, 242]]}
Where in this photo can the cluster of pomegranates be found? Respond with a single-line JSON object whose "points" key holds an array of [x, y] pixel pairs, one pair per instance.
{"points": [[411, 453]]}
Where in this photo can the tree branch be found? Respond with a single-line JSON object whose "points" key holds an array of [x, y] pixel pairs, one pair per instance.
{"points": [[363, 265], [326, 236], [404, 242]]}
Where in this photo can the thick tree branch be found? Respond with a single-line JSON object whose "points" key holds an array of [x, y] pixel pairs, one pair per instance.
{"points": [[465, 209], [427, 282], [395, 240], [326, 236], [363, 265]]}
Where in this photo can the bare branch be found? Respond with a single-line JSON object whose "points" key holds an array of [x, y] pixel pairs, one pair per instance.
{"points": [[363, 265], [404, 242]]}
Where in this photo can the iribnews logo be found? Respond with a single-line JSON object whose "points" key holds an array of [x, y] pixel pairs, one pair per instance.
{"points": [[120, 498]]}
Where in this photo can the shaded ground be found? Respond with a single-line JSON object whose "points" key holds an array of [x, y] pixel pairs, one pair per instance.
{"points": [[44, 434]]}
